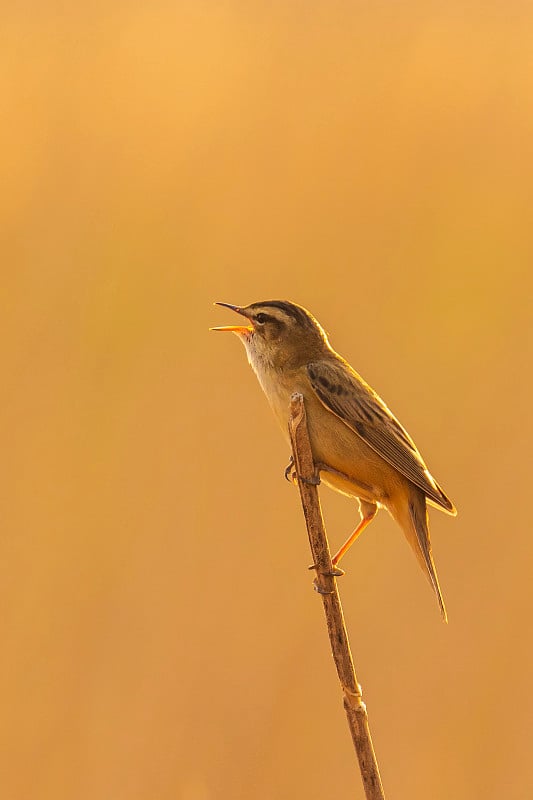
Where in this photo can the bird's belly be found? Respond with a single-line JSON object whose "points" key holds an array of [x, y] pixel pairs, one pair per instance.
{"points": [[355, 469], [350, 465]]}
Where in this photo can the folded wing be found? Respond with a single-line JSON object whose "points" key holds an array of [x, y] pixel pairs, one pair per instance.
{"points": [[343, 392]]}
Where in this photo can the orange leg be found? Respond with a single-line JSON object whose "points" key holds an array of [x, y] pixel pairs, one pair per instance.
{"points": [[368, 512]]}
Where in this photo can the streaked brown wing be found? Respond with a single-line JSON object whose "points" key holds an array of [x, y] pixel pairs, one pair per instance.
{"points": [[346, 394]]}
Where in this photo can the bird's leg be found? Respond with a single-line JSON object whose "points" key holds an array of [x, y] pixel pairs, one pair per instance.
{"points": [[364, 488], [368, 512], [320, 466]]}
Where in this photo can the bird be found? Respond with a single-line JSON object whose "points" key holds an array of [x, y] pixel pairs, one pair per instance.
{"points": [[359, 447]]}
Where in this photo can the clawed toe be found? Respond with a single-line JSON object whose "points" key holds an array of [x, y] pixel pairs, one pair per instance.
{"points": [[335, 572], [289, 470], [292, 476]]}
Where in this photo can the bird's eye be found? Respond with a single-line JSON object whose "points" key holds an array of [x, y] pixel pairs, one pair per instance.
{"points": [[261, 318]]}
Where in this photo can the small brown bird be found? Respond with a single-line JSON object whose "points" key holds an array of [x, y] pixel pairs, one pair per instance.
{"points": [[358, 445]]}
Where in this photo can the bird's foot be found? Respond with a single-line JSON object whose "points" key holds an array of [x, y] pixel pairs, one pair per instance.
{"points": [[292, 476], [335, 572]]}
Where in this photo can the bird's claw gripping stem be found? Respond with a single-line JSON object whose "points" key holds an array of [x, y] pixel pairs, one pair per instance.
{"points": [[292, 476], [335, 572]]}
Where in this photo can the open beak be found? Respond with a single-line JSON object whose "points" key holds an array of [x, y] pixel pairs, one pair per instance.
{"points": [[239, 329]]}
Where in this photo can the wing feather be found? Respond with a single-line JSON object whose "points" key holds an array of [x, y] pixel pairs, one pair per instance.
{"points": [[345, 393]]}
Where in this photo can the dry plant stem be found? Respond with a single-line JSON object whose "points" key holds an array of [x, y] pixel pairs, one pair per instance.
{"points": [[327, 586]]}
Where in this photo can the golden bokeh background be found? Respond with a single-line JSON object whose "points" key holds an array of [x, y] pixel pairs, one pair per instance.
{"points": [[373, 162]]}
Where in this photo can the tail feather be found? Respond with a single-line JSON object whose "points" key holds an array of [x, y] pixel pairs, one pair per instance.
{"points": [[416, 528]]}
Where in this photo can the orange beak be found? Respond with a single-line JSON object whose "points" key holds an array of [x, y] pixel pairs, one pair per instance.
{"points": [[242, 330]]}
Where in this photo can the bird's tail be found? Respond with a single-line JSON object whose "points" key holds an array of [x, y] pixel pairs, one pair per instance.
{"points": [[415, 525]]}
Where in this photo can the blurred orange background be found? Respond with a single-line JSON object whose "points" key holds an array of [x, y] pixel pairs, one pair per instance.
{"points": [[374, 163]]}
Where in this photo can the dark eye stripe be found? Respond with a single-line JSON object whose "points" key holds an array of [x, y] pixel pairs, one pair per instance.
{"points": [[291, 310], [262, 317]]}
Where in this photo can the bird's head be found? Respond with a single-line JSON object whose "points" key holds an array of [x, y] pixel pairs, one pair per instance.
{"points": [[279, 334]]}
